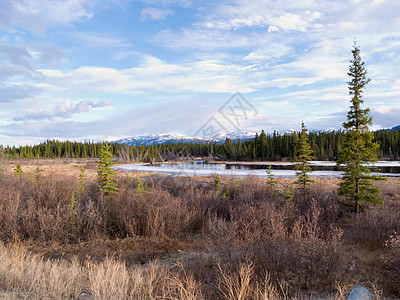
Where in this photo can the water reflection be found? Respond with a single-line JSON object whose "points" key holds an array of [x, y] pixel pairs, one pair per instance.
{"points": [[315, 166]]}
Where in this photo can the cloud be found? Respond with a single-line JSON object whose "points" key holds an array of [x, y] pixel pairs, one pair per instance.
{"points": [[31, 114], [208, 39], [68, 108], [270, 51], [184, 3], [17, 55], [19, 60], [92, 39], [65, 110], [12, 92], [386, 116], [153, 75], [35, 15], [153, 13]]}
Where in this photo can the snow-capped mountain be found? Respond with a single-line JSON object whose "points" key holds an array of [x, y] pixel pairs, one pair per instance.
{"points": [[396, 127], [156, 139]]}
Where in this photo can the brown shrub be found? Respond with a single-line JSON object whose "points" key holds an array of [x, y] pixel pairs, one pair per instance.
{"points": [[374, 227], [277, 240], [392, 260]]}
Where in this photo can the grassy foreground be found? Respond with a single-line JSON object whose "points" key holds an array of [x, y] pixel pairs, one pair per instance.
{"points": [[184, 238]]}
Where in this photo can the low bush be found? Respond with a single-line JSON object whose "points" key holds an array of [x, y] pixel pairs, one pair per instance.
{"points": [[374, 227]]}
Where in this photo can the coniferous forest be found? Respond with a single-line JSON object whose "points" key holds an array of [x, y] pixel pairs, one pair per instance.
{"points": [[325, 146]]}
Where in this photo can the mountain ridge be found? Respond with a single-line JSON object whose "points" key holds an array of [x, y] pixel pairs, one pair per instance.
{"points": [[165, 138], [157, 139]]}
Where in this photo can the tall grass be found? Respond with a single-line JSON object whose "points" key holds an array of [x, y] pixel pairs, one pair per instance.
{"points": [[36, 278]]}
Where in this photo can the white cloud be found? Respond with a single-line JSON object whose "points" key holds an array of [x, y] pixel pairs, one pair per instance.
{"points": [[154, 13], [32, 114], [65, 110], [34, 15], [272, 28], [153, 75], [269, 51], [209, 39], [13, 92], [92, 39], [68, 108]]}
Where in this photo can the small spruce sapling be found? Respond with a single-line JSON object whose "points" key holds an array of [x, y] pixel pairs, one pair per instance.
{"points": [[304, 156], [18, 170], [288, 194], [73, 220], [217, 183], [237, 187], [140, 188], [82, 180], [271, 179], [2, 162], [38, 173], [226, 194], [105, 174]]}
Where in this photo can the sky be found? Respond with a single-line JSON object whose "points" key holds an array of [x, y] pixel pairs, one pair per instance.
{"points": [[108, 69]]}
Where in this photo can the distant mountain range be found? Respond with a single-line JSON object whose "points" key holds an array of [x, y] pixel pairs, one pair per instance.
{"points": [[173, 138], [396, 128], [157, 139]]}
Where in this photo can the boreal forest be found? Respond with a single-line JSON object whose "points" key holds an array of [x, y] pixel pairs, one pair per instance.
{"points": [[264, 147]]}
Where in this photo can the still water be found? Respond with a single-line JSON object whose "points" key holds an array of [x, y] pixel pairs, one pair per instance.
{"points": [[280, 169]]}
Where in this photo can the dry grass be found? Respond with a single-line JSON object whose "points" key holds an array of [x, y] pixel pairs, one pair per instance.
{"points": [[59, 166], [32, 277], [21, 271]]}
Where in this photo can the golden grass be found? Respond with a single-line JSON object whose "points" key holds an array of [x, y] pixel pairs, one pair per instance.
{"points": [[26, 275], [61, 166]]}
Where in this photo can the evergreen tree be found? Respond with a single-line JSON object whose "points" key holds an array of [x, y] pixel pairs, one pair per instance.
{"points": [[304, 155], [217, 182], [82, 180], [2, 162], [358, 149], [105, 173], [18, 171], [229, 148], [271, 183]]}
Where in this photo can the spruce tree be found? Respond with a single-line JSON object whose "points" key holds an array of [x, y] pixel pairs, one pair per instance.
{"points": [[82, 180], [358, 150], [304, 155], [18, 171], [108, 184]]}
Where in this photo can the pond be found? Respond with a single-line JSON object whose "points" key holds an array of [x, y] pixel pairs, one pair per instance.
{"points": [[242, 169]]}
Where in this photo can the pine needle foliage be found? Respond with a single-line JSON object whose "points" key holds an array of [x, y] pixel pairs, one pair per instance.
{"points": [[82, 180], [271, 178], [217, 183], [18, 171], [108, 183], [305, 154], [358, 150]]}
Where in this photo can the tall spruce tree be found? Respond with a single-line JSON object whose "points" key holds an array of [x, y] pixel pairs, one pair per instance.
{"points": [[358, 150], [108, 183], [304, 156]]}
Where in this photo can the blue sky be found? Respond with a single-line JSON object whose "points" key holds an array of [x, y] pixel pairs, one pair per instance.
{"points": [[106, 69]]}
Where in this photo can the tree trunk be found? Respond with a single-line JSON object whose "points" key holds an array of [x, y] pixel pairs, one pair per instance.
{"points": [[356, 198]]}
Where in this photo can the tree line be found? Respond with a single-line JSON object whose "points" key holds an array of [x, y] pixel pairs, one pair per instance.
{"points": [[264, 147]]}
